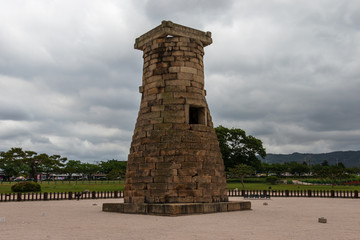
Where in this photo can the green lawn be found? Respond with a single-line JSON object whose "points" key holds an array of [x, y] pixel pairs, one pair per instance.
{"points": [[102, 186], [73, 186], [265, 186]]}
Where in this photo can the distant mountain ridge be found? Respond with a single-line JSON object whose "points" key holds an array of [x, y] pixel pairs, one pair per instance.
{"points": [[348, 158]]}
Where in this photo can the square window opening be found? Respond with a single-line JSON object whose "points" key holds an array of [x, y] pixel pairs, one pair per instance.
{"points": [[196, 115]]}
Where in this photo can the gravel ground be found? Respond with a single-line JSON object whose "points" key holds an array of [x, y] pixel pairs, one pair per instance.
{"points": [[282, 218]]}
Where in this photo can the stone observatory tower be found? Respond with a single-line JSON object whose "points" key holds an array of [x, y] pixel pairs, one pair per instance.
{"points": [[175, 161]]}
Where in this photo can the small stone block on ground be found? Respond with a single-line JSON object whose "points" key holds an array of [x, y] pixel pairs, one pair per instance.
{"points": [[113, 207]]}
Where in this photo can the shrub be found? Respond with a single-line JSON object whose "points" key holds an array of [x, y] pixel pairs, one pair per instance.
{"points": [[272, 179], [26, 187], [289, 182]]}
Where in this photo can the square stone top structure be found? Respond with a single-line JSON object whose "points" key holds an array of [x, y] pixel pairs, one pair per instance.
{"points": [[169, 28], [175, 164]]}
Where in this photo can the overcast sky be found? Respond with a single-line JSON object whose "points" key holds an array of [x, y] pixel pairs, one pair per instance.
{"points": [[285, 71]]}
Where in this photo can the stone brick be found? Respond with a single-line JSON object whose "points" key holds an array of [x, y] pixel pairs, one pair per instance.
{"points": [[185, 76], [187, 172], [174, 101], [154, 159], [138, 207], [196, 164], [163, 126], [178, 82], [157, 108], [168, 113], [181, 126], [186, 199], [199, 102], [167, 165], [174, 158], [234, 207], [155, 120], [177, 63], [168, 59], [155, 91], [157, 185], [182, 179], [145, 165], [174, 88], [174, 119], [195, 90], [163, 173], [169, 76]]}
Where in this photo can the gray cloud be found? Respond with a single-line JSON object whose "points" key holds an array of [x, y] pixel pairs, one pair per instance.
{"points": [[196, 13], [287, 72]]}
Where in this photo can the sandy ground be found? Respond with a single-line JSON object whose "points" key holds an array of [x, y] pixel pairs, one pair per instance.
{"points": [[282, 218]]}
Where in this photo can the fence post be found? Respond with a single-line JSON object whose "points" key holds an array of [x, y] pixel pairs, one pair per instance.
{"points": [[309, 193], [286, 193], [70, 195], [115, 194], [356, 194], [18, 196], [93, 195], [242, 192], [332, 193], [45, 196]]}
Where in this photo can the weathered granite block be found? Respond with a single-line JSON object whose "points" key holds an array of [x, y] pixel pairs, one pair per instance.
{"points": [[175, 209]]}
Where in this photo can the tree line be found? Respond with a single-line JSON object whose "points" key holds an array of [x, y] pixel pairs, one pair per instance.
{"points": [[240, 153], [17, 162]]}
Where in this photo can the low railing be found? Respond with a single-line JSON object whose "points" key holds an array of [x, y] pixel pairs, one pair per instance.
{"points": [[6, 197], [9, 197], [295, 193]]}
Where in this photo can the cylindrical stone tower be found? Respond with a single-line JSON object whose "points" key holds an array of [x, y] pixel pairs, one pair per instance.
{"points": [[174, 155]]}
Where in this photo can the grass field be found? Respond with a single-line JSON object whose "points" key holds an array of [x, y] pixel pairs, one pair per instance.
{"points": [[72, 186], [265, 186], [102, 186]]}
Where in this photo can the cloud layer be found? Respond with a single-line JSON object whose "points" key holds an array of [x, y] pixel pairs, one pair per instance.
{"points": [[286, 72]]}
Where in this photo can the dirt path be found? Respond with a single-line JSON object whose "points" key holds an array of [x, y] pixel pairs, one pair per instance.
{"points": [[282, 218]]}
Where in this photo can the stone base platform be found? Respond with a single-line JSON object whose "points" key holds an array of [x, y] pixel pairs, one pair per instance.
{"points": [[176, 209]]}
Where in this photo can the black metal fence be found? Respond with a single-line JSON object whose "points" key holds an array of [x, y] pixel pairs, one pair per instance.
{"points": [[8, 197], [295, 193]]}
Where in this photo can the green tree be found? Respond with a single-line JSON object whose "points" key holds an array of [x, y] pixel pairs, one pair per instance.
{"points": [[238, 148], [52, 164], [34, 161], [353, 170], [89, 169], [113, 168], [12, 164], [18, 162], [265, 168], [325, 163], [340, 164], [333, 173], [297, 168], [240, 171], [278, 169], [71, 167]]}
